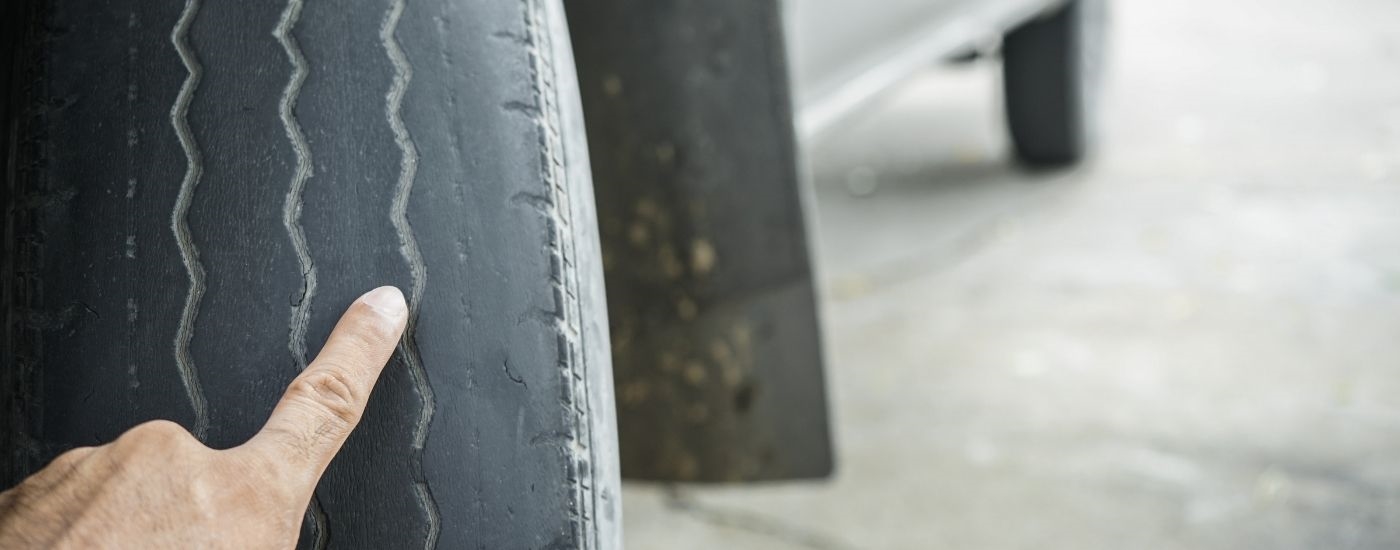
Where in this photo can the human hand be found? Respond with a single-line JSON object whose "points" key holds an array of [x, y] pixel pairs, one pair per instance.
{"points": [[156, 486]]}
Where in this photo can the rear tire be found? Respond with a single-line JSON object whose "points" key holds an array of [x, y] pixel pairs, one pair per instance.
{"points": [[1051, 72], [196, 190]]}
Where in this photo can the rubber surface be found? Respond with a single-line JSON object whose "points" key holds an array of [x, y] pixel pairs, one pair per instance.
{"points": [[1051, 78], [195, 190], [711, 290]]}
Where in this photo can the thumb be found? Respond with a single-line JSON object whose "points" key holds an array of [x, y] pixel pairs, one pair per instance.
{"points": [[325, 402]]}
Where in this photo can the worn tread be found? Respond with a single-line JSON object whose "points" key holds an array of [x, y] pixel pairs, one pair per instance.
{"points": [[457, 184]]}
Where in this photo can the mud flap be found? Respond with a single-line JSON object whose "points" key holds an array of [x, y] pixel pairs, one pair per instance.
{"points": [[716, 350]]}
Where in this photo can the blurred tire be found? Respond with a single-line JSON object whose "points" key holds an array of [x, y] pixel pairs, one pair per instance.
{"points": [[1051, 75]]}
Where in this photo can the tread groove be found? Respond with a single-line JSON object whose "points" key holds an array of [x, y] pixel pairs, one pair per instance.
{"points": [[291, 219], [408, 247], [291, 210], [179, 218]]}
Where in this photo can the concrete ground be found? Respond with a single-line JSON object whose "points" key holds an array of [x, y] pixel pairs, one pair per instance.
{"points": [[1193, 342]]}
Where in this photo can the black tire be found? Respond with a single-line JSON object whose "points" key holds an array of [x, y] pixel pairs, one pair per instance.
{"points": [[196, 190], [1051, 72]]}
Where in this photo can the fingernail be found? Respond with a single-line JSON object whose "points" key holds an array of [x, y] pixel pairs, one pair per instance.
{"points": [[386, 300]]}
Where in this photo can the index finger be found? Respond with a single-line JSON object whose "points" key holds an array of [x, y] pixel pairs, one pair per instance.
{"points": [[325, 402]]}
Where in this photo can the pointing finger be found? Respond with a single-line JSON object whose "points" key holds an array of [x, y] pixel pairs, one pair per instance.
{"points": [[325, 402]]}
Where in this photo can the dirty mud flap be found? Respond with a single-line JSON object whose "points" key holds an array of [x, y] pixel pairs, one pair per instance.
{"points": [[716, 350]]}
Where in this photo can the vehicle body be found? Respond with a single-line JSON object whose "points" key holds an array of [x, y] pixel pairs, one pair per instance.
{"points": [[844, 53]]}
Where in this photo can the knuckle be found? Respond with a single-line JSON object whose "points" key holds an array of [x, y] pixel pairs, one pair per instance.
{"points": [[155, 432], [71, 457], [332, 390]]}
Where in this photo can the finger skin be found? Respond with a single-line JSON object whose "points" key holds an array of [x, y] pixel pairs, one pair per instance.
{"points": [[325, 402], [158, 487]]}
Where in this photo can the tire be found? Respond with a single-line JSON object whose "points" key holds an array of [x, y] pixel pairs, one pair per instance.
{"points": [[196, 190], [1051, 73]]}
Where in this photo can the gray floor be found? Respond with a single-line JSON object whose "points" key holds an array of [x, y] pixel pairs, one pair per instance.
{"points": [[1193, 342]]}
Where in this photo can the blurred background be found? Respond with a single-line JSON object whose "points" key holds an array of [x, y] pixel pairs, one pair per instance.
{"points": [[1191, 341]]}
